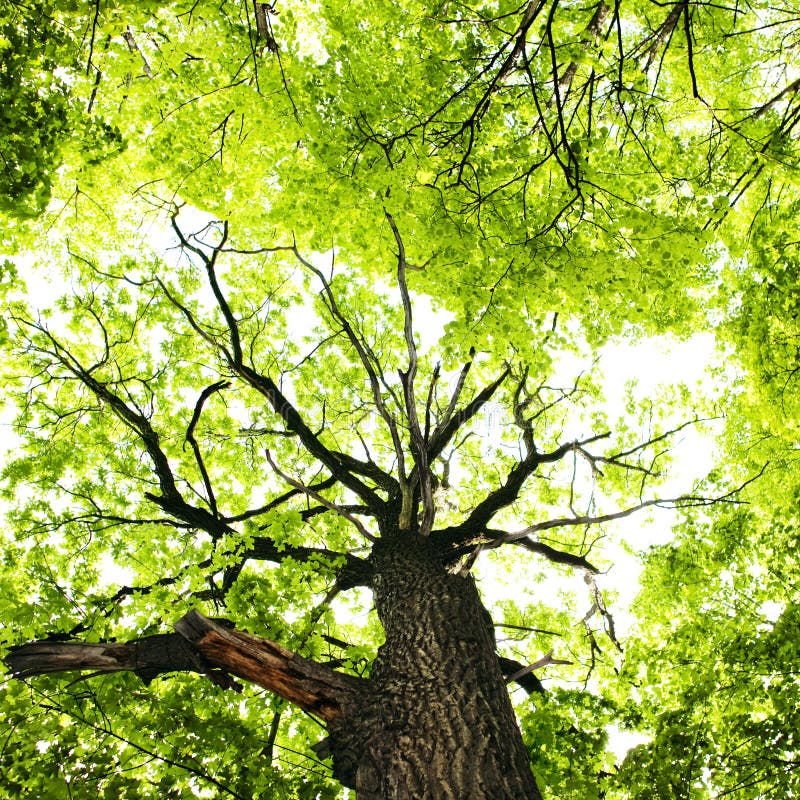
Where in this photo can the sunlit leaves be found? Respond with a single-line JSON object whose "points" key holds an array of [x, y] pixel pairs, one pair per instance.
{"points": [[560, 178], [715, 667]]}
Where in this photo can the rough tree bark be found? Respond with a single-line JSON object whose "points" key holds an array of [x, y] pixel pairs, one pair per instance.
{"points": [[441, 723], [434, 720]]}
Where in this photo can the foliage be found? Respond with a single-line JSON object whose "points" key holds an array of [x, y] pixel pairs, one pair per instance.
{"points": [[43, 118], [562, 176], [35, 104], [716, 664]]}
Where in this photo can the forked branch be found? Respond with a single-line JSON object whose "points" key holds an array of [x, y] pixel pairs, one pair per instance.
{"points": [[262, 383], [198, 409], [371, 367]]}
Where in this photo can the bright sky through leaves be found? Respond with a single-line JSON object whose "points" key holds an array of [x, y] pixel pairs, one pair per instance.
{"points": [[535, 191]]}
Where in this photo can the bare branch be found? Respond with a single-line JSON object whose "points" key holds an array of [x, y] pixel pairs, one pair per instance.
{"points": [[515, 672], [581, 520], [615, 457], [599, 605], [449, 426], [205, 646], [684, 501], [130, 40], [545, 661], [418, 447], [526, 628]]}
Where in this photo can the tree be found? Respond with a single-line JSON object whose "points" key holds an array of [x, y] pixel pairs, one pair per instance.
{"points": [[544, 177], [434, 715]]}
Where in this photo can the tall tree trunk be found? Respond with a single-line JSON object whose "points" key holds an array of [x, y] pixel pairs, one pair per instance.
{"points": [[438, 722]]}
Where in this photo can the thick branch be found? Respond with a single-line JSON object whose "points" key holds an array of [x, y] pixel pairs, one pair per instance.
{"points": [[494, 501], [462, 378], [315, 688], [170, 499], [147, 657], [355, 572], [369, 469], [205, 646], [291, 417], [550, 553], [499, 537]]}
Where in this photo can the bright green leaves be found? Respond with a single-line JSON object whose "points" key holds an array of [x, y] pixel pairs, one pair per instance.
{"points": [[49, 118], [204, 115], [556, 184], [444, 118], [478, 144], [764, 301], [34, 108], [164, 743], [715, 664], [566, 736]]}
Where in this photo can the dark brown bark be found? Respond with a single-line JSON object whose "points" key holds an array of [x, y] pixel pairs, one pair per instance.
{"points": [[148, 657], [315, 688], [206, 646], [439, 722]]}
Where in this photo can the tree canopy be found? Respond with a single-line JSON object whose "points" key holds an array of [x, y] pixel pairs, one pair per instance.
{"points": [[282, 282]]}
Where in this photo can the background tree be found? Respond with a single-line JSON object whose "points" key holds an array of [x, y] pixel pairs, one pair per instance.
{"points": [[547, 177]]}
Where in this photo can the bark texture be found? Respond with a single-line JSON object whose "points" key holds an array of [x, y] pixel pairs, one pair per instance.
{"points": [[202, 645], [148, 657], [438, 724]]}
